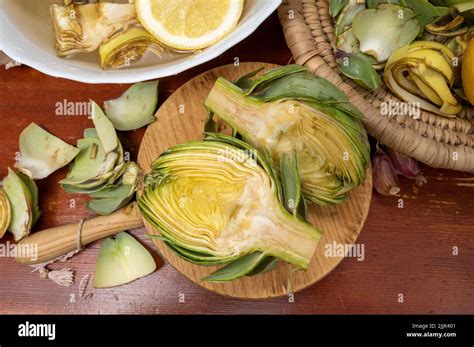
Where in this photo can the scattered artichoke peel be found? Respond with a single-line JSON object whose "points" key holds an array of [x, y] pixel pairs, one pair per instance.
{"points": [[122, 259], [21, 204], [135, 108], [42, 153], [429, 65]]}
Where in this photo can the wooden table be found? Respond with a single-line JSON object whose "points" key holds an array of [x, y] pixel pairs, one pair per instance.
{"points": [[408, 251]]}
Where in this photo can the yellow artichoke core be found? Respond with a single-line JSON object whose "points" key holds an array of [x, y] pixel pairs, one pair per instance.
{"points": [[210, 205], [227, 209]]}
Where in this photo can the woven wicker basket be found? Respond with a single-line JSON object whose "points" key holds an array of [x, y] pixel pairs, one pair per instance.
{"points": [[434, 140]]}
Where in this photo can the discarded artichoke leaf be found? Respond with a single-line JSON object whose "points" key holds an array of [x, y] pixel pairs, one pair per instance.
{"points": [[105, 129], [84, 168], [289, 109], [427, 67], [291, 186], [135, 108], [335, 6], [121, 260], [5, 212], [20, 200], [83, 28], [383, 30], [42, 153], [33, 188], [360, 70], [105, 206], [126, 47], [346, 16], [437, 29], [347, 42], [109, 200], [218, 201]]}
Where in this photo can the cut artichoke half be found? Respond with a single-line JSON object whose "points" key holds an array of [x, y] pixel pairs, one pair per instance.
{"points": [[20, 200], [83, 28], [121, 260], [422, 72], [135, 108], [289, 109], [383, 30], [5, 212], [126, 47], [42, 153], [219, 201]]}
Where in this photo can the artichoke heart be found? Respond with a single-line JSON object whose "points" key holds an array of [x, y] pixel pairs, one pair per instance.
{"points": [[219, 201], [289, 109], [126, 47], [83, 28], [422, 72]]}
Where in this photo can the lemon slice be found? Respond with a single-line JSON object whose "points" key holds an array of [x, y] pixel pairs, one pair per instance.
{"points": [[189, 24]]}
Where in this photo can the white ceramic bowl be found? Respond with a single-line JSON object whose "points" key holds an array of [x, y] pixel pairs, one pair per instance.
{"points": [[26, 36]]}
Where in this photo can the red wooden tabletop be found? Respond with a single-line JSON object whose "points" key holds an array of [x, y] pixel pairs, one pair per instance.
{"points": [[418, 259]]}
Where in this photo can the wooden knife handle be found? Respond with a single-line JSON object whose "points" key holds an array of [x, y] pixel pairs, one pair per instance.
{"points": [[51, 243]]}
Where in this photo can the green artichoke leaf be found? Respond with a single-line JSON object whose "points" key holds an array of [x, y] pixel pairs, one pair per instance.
{"points": [[91, 164], [33, 188], [360, 70], [346, 17], [216, 202], [290, 177], [104, 127], [237, 268], [135, 108], [336, 6], [245, 82], [383, 30], [111, 199], [42, 153], [122, 259], [20, 200], [105, 206]]}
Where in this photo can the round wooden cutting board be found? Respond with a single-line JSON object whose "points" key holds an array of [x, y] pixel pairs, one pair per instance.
{"points": [[181, 119]]}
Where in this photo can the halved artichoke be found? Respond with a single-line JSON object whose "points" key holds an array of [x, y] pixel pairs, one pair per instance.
{"points": [[219, 201], [289, 109], [83, 28]]}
